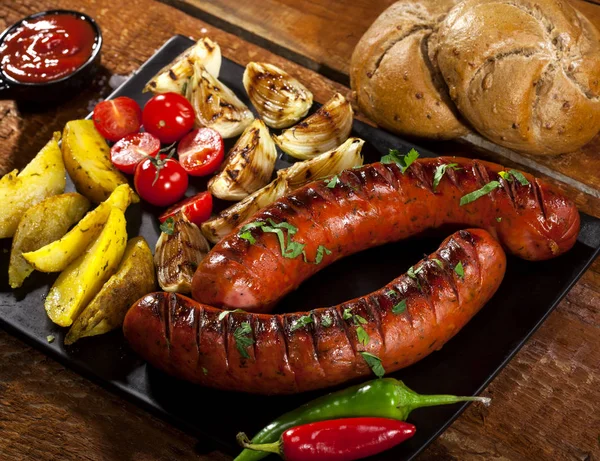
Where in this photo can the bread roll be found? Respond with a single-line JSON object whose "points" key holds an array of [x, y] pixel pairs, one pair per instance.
{"points": [[395, 84], [525, 74]]}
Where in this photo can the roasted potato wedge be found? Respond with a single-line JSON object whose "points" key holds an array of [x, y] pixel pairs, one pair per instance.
{"points": [[56, 256], [87, 158], [43, 177], [41, 224], [134, 278], [82, 279]]}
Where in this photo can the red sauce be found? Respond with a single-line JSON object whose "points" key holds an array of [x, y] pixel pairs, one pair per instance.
{"points": [[47, 48]]}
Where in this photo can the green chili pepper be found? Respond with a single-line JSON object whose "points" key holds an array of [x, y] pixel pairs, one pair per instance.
{"points": [[385, 397]]}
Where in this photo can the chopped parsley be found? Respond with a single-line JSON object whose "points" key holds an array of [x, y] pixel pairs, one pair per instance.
{"points": [[519, 177], [439, 173], [289, 248], [403, 162], [326, 321], [168, 227], [243, 339], [301, 322], [400, 307], [331, 183], [471, 197], [499, 219], [50, 338], [374, 363], [392, 293], [224, 314], [438, 262], [363, 336], [347, 315], [460, 270], [205, 371]]}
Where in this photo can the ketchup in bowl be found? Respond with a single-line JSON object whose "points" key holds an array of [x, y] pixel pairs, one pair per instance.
{"points": [[47, 48]]}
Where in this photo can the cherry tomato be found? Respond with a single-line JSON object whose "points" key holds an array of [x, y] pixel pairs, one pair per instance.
{"points": [[201, 151], [164, 190], [168, 116], [196, 209], [127, 152], [117, 117]]}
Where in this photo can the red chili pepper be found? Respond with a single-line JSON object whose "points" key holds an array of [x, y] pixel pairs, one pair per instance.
{"points": [[344, 439]]}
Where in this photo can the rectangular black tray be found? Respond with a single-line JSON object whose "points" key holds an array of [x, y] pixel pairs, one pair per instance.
{"points": [[465, 365]]}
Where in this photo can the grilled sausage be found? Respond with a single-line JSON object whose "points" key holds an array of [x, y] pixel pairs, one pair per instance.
{"points": [[377, 204], [280, 354]]}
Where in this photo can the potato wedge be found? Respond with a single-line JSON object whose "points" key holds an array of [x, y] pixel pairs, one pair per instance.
{"points": [[43, 177], [82, 279], [87, 158], [56, 256], [134, 278], [43, 223]]}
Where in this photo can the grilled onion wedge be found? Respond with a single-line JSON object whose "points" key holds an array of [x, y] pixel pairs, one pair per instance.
{"points": [[215, 105], [175, 76], [249, 165], [324, 130], [279, 98], [179, 249], [328, 164]]}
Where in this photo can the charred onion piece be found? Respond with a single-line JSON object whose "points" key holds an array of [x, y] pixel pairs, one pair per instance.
{"points": [[279, 98], [178, 252], [326, 129], [175, 76], [248, 167], [215, 105]]}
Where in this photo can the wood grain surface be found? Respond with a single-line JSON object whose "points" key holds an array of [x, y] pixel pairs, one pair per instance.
{"points": [[546, 402], [321, 35]]}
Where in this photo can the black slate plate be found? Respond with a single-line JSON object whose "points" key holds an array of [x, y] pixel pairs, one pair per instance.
{"points": [[465, 365]]}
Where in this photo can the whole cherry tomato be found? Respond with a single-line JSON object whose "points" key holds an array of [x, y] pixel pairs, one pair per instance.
{"points": [[160, 182], [127, 152], [196, 209], [168, 116], [201, 151], [116, 118]]}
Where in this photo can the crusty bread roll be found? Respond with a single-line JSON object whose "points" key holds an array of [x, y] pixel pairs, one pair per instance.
{"points": [[525, 73], [395, 85]]}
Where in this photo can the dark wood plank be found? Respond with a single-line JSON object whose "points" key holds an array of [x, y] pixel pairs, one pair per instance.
{"points": [[326, 32], [546, 403]]}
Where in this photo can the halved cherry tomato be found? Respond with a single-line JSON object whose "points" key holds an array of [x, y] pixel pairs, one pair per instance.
{"points": [[164, 188], [117, 117], [201, 151], [196, 209], [168, 116], [127, 152]]}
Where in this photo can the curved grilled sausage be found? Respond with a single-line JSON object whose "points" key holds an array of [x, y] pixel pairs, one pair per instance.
{"points": [[198, 343], [377, 204]]}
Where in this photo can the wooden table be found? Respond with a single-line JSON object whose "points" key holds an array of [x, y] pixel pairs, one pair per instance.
{"points": [[546, 401]]}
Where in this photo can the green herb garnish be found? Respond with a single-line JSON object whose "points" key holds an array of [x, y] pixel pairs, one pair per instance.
{"points": [[403, 162], [301, 322], [331, 183], [459, 270], [471, 197], [205, 371], [400, 307], [326, 321], [499, 219], [50, 338], [224, 314], [168, 227], [347, 315], [438, 262], [519, 177], [439, 172], [320, 251], [358, 319], [363, 336], [374, 363], [393, 293], [245, 233], [243, 338]]}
